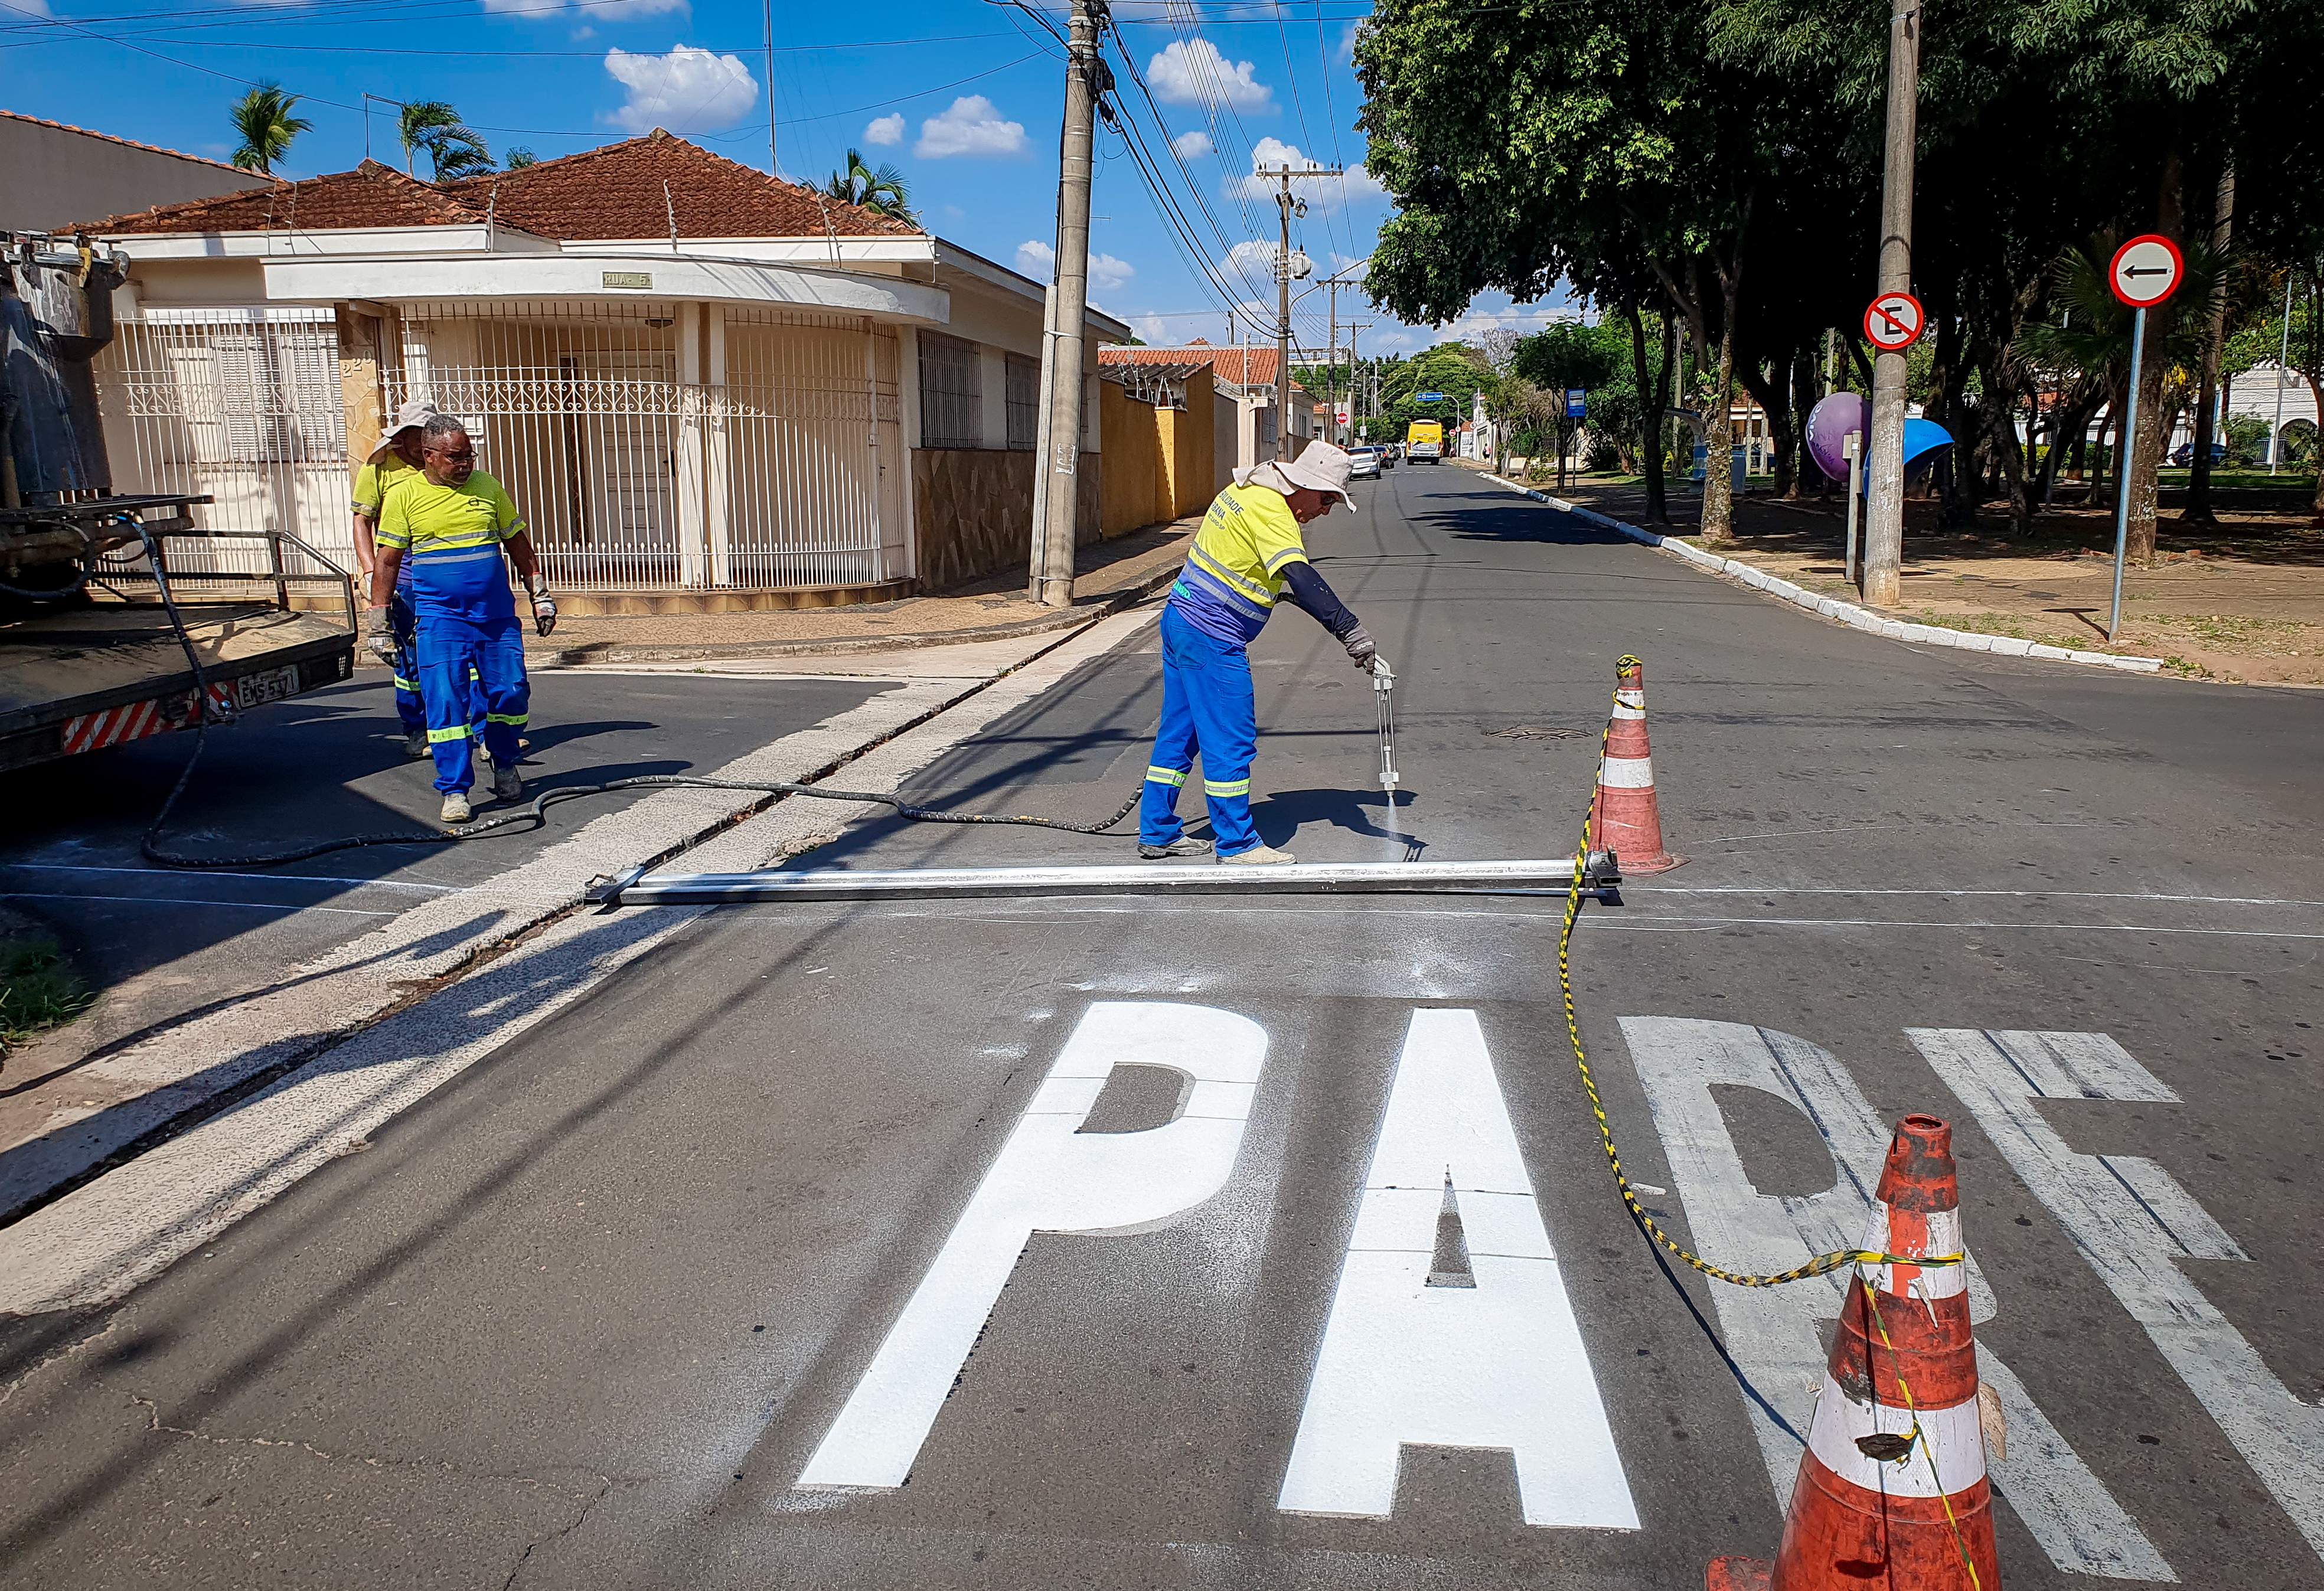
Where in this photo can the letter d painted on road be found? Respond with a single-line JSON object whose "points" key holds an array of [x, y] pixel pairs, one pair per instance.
{"points": [[1052, 1177]]}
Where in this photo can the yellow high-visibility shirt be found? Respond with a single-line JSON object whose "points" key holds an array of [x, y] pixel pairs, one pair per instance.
{"points": [[1234, 570]]}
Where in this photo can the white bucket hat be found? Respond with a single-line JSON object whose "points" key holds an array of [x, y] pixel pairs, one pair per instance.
{"points": [[416, 412], [1321, 468]]}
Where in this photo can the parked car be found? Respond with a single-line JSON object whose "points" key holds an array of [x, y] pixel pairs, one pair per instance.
{"points": [[2183, 456], [1363, 464]]}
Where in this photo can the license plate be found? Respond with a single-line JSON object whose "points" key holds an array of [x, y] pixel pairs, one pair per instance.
{"points": [[273, 685]]}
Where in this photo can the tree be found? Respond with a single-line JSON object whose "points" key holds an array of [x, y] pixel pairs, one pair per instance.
{"points": [[452, 148], [1560, 357], [884, 191], [518, 157], [263, 120]]}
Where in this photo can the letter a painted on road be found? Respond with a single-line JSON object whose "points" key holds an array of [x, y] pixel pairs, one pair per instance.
{"points": [[1052, 1177], [1488, 1356]]}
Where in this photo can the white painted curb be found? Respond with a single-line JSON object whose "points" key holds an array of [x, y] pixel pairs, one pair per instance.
{"points": [[1845, 612]]}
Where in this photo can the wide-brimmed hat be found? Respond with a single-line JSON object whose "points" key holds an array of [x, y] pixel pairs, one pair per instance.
{"points": [[1321, 468], [416, 412]]}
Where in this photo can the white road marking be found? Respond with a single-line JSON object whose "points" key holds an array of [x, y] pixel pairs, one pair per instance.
{"points": [[2261, 900], [1051, 1177], [1774, 1333], [1501, 1365], [2132, 1221], [158, 874], [256, 906]]}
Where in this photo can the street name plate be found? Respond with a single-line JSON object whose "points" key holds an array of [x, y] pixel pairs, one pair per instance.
{"points": [[627, 279]]}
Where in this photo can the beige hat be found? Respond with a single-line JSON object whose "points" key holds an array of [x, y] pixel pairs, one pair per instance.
{"points": [[416, 412], [1321, 468]]}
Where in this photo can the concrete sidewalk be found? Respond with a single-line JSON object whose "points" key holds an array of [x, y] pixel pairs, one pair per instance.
{"points": [[1112, 574]]}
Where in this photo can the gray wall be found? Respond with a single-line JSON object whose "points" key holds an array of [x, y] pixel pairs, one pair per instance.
{"points": [[50, 177]]}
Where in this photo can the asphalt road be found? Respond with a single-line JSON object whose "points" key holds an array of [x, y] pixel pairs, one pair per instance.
{"points": [[318, 767], [799, 1197]]}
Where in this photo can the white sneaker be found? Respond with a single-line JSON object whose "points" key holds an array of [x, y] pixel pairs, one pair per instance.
{"points": [[507, 784], [455, 808], [1259, 856]]}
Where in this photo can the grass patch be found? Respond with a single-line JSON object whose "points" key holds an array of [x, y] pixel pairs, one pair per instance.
{"points": [[39, 989]]}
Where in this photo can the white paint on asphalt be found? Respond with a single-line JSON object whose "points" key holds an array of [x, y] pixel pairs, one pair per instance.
{"points": [[1501, 1365], [2132, 1222], [254, 905], [1051, 1177], [98, 1243], [1774, 1334], [158, 875]]}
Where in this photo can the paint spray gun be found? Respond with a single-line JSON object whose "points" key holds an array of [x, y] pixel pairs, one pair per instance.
{"points": [[1383, 695]]}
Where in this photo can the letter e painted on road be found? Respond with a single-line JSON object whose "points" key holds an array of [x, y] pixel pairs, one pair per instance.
{"points": [[1451, 1325], [1051, 1177]]}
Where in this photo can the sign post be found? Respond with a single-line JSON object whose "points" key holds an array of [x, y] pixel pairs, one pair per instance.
{"points": [[1852, 445], [2146, 271], [1577, 403]]}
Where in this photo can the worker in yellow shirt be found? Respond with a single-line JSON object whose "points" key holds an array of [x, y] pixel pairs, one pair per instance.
{"points": [[449, 524], [1248, 554], [397, 457]]}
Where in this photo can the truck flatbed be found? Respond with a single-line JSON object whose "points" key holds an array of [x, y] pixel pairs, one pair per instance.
{"points": [[105, 672]]}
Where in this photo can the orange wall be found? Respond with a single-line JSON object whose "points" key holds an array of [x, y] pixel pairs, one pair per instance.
{"points": [[1159, 463]]}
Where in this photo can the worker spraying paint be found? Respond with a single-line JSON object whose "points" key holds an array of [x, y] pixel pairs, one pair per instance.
{"points": [[1247, 555]]}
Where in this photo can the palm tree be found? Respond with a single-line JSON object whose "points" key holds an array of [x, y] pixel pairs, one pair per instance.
{"points": [[262, 117], [453, 148], [520, 157], [882, 190]]}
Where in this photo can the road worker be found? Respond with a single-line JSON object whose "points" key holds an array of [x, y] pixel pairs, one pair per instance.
{"points": [[449, 522], [397, 457], [1246, 556]]}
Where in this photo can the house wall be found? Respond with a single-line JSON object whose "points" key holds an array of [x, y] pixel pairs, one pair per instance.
{"points": [[1160, 463], [53, 177], [973, 508]]}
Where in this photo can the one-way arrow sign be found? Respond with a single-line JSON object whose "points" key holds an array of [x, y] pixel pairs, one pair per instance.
{"points": [[2146, 271]]}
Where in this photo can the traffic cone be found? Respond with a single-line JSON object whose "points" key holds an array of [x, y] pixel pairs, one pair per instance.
{"points": [[1623, 816], [1892, 1489]]}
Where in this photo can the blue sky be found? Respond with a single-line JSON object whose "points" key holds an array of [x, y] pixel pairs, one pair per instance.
{"points": [[964, 96]]}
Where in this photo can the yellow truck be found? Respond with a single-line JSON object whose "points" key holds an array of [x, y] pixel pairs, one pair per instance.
{"points": [[1424, 442]]}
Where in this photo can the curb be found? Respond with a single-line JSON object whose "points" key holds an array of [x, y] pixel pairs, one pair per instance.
{"points": [[682, 651], [1832, 608]]}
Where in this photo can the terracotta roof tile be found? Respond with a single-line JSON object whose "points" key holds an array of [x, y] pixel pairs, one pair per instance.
{"points": [[1243, 366], [616, 191], [372, 195], [176, 154]]}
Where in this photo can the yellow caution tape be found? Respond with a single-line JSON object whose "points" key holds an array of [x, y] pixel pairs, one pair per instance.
{"points": [[1817, 1266]]}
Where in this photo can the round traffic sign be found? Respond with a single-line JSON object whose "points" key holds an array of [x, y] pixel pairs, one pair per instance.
{"points": [[2146, 271], [1894, 323]]}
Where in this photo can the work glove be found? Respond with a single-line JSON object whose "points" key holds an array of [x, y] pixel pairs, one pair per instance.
{"points": [[1361, 648], [544, 611], [379, 635]]}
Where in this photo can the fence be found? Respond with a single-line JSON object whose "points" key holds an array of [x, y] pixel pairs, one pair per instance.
{"points": [[651, 448]]}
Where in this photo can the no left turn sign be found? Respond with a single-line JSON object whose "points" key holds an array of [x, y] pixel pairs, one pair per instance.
{"points": [[2146, 271], [1893, 322]]}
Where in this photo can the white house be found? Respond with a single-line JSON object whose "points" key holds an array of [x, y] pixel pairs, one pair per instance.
{"points": [[707, 387]]}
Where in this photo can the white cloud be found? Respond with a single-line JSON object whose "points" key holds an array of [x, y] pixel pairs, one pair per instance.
{"points": [[599, 10], [1191, 146], [1197, 74], [32, 8], [1321, 193], [1154, 329], [1348, 42], [973, 126], [1107, 274], [1249, 264], [688, 90], [885, 130]]}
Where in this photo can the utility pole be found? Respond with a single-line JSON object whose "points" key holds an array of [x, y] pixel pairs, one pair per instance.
{"points": [[1059, 455], [1883, 521], [772, 168], [1286, 206]]}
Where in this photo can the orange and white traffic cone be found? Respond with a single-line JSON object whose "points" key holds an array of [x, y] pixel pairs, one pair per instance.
{"points": [[1623, 816], [1892, 1489]]}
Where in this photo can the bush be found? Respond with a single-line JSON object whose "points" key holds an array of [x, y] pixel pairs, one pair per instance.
{"points": [[37, 989], [1603, 455]]}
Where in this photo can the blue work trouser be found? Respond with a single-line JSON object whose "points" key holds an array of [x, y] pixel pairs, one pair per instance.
{"points": [[1207, 707], [410, 711], [450, 648]]}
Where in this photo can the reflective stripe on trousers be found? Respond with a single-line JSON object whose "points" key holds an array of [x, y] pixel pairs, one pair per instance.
{"points": [[1207, 708]]}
